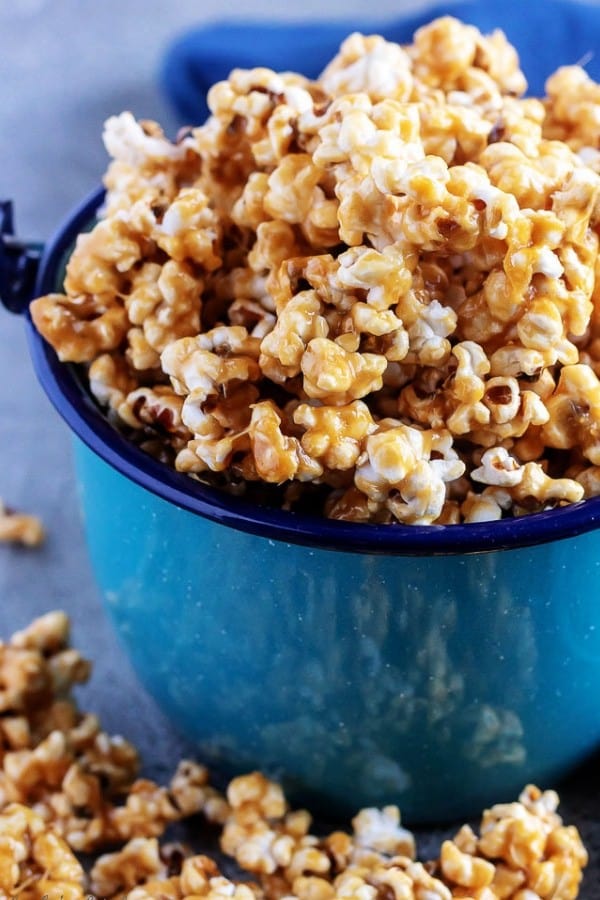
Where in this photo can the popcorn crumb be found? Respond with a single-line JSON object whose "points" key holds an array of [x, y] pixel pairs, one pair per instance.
{"points": [[20, 528]]}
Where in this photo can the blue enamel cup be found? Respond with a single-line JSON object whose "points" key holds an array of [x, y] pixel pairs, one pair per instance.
{"points": [[440, 668]]}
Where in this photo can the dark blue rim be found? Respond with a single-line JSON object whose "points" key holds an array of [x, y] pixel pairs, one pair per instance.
{"points": [[69, 397]]}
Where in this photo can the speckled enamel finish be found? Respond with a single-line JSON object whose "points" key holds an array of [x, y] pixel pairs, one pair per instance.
{"points": [[442, 684]]}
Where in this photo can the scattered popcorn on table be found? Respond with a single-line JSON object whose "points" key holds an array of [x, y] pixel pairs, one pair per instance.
{"points": [[58, 760], [20, 528], [67, 788], [404, 250], [523, 845], [523, 852]]}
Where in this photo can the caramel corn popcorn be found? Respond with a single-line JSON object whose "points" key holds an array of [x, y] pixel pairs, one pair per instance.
{"points": [[522, 846], [381, 282], [58, 760], [34, 861], [522, 851], [20, 528]]}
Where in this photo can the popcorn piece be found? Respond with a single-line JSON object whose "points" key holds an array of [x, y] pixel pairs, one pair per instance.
{"points": [[397, 469], [192, 793], [20, 528], [536, 485], [189, 230], [574, 410], [159, 408], [254, 796], [218, 364], [137, 862], [34, 861], [111, 379], [335, 434], [165, 303], [370, 65], [278, 457], [79, 328], [464, 869], [138, 142], [487, 506], [379, 830], [297, 325], [498, 468], [589, 479], [572, 108], [338, 376]]}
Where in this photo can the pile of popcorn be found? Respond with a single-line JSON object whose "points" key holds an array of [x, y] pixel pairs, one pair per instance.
{"points": [[375, 292], [67, 787], [60, 762]]}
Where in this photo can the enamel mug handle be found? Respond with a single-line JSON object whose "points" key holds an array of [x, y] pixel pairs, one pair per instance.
{"points": [[19, 262]]}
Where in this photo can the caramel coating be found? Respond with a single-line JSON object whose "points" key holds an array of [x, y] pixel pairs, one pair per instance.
{"points": [[405, 246]]}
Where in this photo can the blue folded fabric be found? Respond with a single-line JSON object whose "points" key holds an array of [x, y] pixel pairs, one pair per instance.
{"points": [[547, 34]]}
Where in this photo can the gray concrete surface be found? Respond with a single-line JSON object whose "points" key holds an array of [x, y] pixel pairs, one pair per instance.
{"points": [[65, 65]]}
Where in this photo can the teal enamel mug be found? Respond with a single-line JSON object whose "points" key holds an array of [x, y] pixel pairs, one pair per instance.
{"points": [[440, 668]]}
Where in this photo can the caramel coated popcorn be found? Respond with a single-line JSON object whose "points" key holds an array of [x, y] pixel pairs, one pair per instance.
{"points": [[523, 851], [376, 290], [35, 862], [59, 762], [20, 528], [268, 839]]}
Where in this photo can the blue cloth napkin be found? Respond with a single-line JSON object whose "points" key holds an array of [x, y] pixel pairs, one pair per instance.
{"points": [[546, 33]]}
